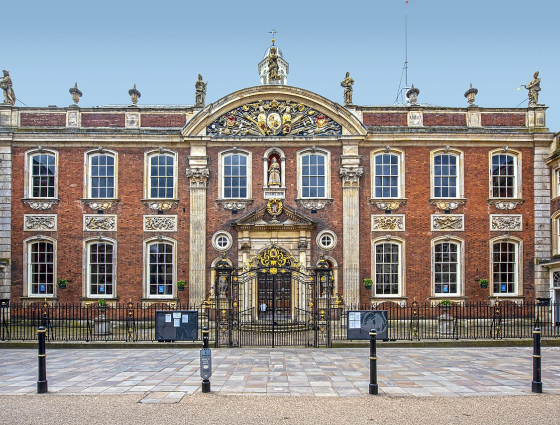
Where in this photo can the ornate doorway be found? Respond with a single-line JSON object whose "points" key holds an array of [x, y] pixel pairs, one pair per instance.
{"points": [[274, 296]]}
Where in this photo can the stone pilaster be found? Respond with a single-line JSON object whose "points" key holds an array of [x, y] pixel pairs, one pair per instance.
{"points": [[350, 176], [5, 221], [197, 253], [543, 231]]}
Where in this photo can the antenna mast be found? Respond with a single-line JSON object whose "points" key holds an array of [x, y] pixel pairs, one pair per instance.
{"points": [[405, 66]]}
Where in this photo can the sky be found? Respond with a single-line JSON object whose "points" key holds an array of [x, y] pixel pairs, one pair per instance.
{"points": [[107, 46]]}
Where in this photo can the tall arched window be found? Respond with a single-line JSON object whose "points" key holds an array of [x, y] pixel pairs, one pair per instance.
{"points": [[504, 175], [388, 268], [101, 174], [506, 266], [40, 270], [387, 175], [447, 276], [161, 170], [41, 170], [101, 268], [160, 264]]}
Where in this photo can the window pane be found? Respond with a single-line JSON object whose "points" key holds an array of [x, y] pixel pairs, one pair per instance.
{"points": [[387, 269], [161, 269]]}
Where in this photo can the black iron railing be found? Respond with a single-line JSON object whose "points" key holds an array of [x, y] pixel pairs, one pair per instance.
{"points": [[127, 322]]}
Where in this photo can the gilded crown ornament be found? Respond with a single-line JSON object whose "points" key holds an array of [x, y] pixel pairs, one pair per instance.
{"points": [[76, 93], [134, 95]]}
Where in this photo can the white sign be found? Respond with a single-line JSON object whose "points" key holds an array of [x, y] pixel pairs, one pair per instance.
{"points": [[168, 318], [354, 321], [176, 323]]}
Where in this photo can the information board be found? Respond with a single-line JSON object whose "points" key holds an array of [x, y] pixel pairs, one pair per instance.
{"points": [[360, 323], [176, 325]]}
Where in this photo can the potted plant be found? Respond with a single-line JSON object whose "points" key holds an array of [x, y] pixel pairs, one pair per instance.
{"points": [[181, 285], [368, 283], [62, 283], [483, 283], [445, 304], [102, 325], [101, 303]]}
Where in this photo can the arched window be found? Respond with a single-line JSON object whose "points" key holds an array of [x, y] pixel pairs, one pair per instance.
{"points": [[446, 176], [506, 266], [101, 174], [387, 175], [314, 174], [41, 167], [161, 172], [101, 268], [447, 273], [41, 266], [388, 268], [160, 267], [235, 175], [504, 175]]}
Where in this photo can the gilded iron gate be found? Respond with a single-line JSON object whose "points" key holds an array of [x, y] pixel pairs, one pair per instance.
{"points": [[273, 301]]}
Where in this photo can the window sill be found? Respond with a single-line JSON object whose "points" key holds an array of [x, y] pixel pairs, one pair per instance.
{"points": [[100, 204], [314, 203], [506, 203], [397, 299], [160, 204], [234, 203], [447, 204], [40, 203], [388, 204]]}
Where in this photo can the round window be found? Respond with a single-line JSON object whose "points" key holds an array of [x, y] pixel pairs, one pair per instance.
{"points": [[326, 240], [222, 241]]}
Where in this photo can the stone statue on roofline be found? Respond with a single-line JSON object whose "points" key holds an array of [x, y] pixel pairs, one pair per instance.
{"points": [[200, 92], [347, 83], [534, 88], [6, 85]]}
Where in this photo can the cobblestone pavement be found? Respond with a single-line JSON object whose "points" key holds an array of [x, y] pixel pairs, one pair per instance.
{"points": [[167, 375]]}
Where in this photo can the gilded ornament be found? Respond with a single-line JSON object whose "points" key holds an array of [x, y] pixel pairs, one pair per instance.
{"points": [[274, 207]]}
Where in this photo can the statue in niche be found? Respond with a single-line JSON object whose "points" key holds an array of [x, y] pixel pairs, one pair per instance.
{"points": [[6, 85], [200, 92], [534, 88], [347, 83], [274, 178], [273, 65]]}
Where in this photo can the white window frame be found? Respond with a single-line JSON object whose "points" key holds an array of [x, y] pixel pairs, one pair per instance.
{"points": [[401, 172], [220, 234], [87, 171], [460, 243], [27, 292], [555, 219], [518, 284], [28, 185], [460, 187], [221, 174], [148, 172], [401, 285], [324, 233], [86, 266], [327, 156], [517, 170], [146, 277]]}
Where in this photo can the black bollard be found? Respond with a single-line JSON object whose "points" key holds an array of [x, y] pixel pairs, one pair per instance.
{"points": [[373, 387], [205, 361], [537, 384], [42, 386]]}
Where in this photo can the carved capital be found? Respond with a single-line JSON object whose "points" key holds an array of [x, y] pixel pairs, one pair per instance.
{"points": [[506, 204], [447, 205], [234, 204], [40, 222], [198, 176], [388, 204], [100, 204], [313, 204], [100, 223], [506, 222], [160, 223], [40, 204], [351, 176], [160, 205]]}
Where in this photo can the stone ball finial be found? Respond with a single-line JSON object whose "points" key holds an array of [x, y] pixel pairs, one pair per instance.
{"points": [[412, 95], [470, 94], [76, 93], [134, 94]]}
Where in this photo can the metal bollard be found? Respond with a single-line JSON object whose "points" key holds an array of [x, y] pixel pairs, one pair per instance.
{"points": [[42, 386], [373, 387], [537, 384], [205, 361]]}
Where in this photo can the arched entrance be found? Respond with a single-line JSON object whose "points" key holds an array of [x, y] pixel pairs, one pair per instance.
{"points": [[272, 301]]}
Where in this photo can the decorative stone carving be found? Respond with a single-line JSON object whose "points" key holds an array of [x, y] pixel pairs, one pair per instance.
{"points": [[198, 176], [40, 204], [351, 176], [347, 83], [412, 95], [506, 205], [415, 119], [313, 204], [132, 120], [200, 92], [40, 222], [73, 119], [76, 94], [447, 205], [100, 204], [386, 222], [470, 95], [234, 204], [473, 119], [161, 205], [389, 205], [100, 223], [7, 88], [448, 222], [134, 95], [274, 193], [534, 87], [245, 246], [273, 118], [160, 223], [302, 244], [506, 222]]}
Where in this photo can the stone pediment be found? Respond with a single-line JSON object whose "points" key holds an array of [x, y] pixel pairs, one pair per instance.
{"points": [[289, 219]]}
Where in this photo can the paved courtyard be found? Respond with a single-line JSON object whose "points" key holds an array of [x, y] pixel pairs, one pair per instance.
{"points": [[168, 375]]}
